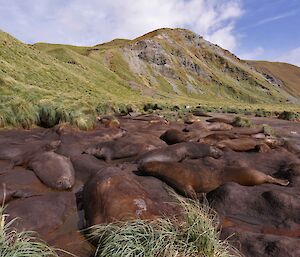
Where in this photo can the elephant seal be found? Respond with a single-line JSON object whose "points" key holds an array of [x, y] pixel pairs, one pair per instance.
{"points": [[240, 144], [219, 126], [248, 131], [215, 137], [180, 151], [54, 170], [191, 180], [221, 120], [174, 136], [113, 195], [19, 152], [118, 149]]}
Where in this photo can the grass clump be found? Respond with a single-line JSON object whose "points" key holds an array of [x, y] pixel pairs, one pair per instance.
{"points": [[287, 115], [20, 244], [262, 113], [152, 107], [268, 130], [196, 233], [242, 122]]}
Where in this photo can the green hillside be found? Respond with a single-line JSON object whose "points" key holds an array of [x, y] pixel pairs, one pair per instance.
{"points": [[285, 74], [49, 83]]}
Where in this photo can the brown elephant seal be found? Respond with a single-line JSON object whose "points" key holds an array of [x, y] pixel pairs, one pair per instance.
{"points": [[190, 179], [54, 170], [174, 136], [18, 152], [240, 144], [215, 137], [222, 120], [180, 151], [219, 126], [118, 149], [113, 195], [248, 131]]}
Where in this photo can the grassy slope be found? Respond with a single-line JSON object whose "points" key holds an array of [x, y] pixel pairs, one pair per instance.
{"points": [[65, 78], [289, 74], [73, 83]]}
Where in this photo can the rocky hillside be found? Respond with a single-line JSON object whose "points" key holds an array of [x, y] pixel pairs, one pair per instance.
{"points": [[285, 75], [71, 83]]}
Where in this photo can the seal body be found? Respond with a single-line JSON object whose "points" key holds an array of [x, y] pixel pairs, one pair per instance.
{"points": [[113, 194], [186, 179], [179, 152], [54, 170], [191, 179], [124, 147], [174, 136]]}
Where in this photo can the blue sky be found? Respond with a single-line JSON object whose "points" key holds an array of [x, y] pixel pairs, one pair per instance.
{"points": [[252, 29]]}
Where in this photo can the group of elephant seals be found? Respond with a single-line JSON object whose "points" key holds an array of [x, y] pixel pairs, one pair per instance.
{"points": [[180, 151], [191, 180], [54, 170]]}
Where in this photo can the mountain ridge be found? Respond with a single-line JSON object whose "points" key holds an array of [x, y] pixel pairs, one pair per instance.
{"points": [[167, 66]]}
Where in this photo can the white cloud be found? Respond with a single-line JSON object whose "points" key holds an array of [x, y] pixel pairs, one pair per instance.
{"points": [[293, 57], [277, 17], [90, 22], [255, 54], [224, 37]]}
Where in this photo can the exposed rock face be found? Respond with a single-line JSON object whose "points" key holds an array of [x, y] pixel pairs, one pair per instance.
{"points": [[181, 62], [264, 218]]}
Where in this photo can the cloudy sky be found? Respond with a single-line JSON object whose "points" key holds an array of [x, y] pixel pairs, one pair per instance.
{"points": [[252, 29]]}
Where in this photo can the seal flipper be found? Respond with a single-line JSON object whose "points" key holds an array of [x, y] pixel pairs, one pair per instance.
{"points": [[272, 180], [9, 167], [190, 192]]}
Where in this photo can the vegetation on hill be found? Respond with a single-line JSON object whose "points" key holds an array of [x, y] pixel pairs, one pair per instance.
{"points": [[285, 74], [48, 83]]}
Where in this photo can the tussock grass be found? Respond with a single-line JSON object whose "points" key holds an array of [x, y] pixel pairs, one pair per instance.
{"points": [[242, 122], [194, 234], [20, 244], [286, 115], [268, 130]]}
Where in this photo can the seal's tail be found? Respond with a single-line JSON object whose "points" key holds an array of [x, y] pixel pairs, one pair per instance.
{"points": [[282, 182]]}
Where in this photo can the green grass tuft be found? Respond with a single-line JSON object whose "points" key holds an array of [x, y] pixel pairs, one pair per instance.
{"points": [[268, 130], [286, 115], [242, 122], [194, 234]]}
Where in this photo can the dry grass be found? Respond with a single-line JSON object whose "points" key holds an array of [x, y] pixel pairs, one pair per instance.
{"points": [[196, 234]]}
